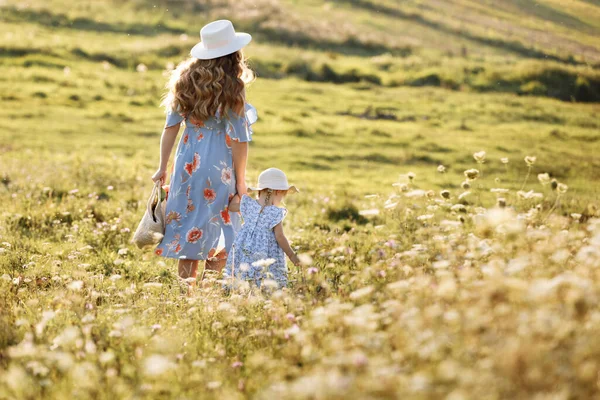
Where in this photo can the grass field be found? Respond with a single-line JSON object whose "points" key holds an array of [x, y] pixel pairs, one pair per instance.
{"points": [[405, 293]]}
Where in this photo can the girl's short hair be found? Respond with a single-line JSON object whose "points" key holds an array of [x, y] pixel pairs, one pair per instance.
{"points": [[198, 88]]}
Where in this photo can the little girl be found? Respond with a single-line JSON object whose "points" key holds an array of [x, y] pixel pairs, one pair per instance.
{"points": [[258, 250]]}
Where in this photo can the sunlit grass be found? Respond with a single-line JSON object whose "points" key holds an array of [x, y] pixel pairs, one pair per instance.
{"points": [[438, 261]]}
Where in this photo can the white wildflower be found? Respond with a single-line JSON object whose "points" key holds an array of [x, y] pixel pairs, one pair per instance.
{"points": [[562, 188], [544, 179], [479, 157], [530, 161], [75, 286], [425, 217], [416, 193], [153, 285], [362, 292], [373, 211], [265, 263], [156, 365]]}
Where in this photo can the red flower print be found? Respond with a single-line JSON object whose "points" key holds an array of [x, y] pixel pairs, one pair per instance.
{"points": [[226, 175], [227, 140], [173, 216], [196, 162], [192, 167], [178, 248], [194, 235], [189, 168], [185, 138], [158, 252], [200, 136], [187, 191], [226, 217], [199, 124], [190, 206], [210, 195], [173, 243]]}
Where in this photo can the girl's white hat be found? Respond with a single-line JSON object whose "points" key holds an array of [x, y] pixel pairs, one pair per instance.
{"points": [[274, 179], [219, 39]]}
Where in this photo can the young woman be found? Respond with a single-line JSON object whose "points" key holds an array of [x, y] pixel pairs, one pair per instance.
{"points": [[207, 94]]}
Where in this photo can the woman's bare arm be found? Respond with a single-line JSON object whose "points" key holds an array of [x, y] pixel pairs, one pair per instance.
{"points": [[284, 244], [167, 140], [239, 153]]}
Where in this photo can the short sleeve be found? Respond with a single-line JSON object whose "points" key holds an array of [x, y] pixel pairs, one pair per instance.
{"points": [[238, 127], [245, 205], [277, 216], [173, 118]]}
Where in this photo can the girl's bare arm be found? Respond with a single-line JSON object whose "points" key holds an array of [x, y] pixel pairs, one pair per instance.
{"points": [[284, 244], [167, 140]]}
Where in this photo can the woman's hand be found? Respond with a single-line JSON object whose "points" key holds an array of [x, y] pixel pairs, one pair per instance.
{"points": [[160, 175], [241, 188]]}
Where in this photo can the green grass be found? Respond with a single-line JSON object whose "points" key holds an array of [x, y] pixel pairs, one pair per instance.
{"points": [[414, 300]]}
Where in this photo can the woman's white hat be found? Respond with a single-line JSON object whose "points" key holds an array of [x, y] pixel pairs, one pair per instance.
{"points": [[219, 39], [274, 179]]}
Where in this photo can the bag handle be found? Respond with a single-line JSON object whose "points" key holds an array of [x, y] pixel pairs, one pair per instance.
{"points": [[155, 192]]}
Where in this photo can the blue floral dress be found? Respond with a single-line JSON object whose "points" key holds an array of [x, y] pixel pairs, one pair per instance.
{"points": [[201, 185], [255, 245]]}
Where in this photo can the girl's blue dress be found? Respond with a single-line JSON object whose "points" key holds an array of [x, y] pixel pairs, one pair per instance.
{"points": [[255, 242], [201, 185]]}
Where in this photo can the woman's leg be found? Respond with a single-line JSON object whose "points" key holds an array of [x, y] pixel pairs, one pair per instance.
{"points": [[188, 268], [217, 263]]}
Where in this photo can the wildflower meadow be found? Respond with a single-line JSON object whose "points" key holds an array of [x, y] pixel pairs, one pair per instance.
{"points": [[447, 220]]}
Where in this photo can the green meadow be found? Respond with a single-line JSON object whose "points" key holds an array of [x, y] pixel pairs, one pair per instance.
{"points": [[488, 290]]}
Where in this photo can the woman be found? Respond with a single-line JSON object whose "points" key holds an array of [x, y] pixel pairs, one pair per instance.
{"points": [[206, 93]]}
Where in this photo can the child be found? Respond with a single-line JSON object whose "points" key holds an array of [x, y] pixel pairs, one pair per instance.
{"points": [[258, 250], [206, 93]]}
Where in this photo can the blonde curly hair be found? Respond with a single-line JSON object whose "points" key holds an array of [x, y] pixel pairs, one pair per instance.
{"points": [[198, 89]]}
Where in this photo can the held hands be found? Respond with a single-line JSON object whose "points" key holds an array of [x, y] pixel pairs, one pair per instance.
{"points": [[160, 175], [241, 188]]}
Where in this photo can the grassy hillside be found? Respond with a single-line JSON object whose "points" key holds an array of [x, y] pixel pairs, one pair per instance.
{"points": [[406, 292]]}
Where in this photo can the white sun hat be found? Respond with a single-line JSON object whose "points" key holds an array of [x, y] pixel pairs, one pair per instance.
{"points": [[219, 39], [274, 179]]}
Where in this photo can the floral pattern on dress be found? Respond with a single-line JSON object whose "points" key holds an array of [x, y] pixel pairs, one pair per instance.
{"points": [[255, 242], [201, 184]]}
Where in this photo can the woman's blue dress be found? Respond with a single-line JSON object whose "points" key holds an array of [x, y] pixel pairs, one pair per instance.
{"points": [[201, 185]]}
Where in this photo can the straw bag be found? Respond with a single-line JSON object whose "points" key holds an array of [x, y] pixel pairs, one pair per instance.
{"points": [[151, 229]]}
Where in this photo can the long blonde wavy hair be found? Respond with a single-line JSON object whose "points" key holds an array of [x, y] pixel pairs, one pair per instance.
{"points": [[198, 89]]}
